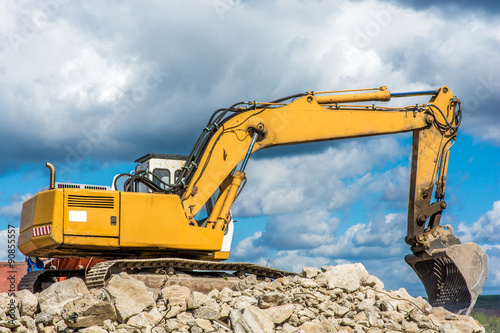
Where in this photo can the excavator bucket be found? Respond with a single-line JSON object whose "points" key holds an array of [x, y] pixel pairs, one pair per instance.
{"points": [[453, 277]]}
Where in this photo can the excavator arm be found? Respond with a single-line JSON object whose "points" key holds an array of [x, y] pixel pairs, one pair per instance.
{"points": [[138, 227], [452, 273]]}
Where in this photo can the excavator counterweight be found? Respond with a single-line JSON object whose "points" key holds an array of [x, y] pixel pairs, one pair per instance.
{"points": [[175, 206]]}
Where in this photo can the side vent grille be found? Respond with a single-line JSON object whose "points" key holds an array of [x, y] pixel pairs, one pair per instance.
{"points": [[62, 185], [95, 187], [90, 201]]}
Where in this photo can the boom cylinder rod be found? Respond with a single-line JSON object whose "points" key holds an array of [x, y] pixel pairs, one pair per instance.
{"points": [[414, 93], [245, 160]]}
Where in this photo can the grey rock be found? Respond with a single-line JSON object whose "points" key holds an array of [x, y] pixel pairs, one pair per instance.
{"points": [[214, 293], [287, 328], [372, 318], [306, 312], [447, 328], [60, 326], [310, 327], [285, 280], [348, 277], [28, 322], [44, 318], [341, 311], [340, 298], [49, 329], [321, 280], [157, 329], [225, 310], [87, 311], [21, 329], [176, 298], [387, 306], [4, 301], [28, 302], [205, 324], [328, 325], [184, 317], [10, 323], [93, 329], [251, 319], [196, 299], [244, 301], [196, 329], [348, 322], [53, 299], [246, 283], [172, 325], [374, 282], [307, 283], [279, 314], [410, 327], [226, 293], [365, 305], [310, 272], [206, 312], [145, 319], [272, 299], [130, 296], [108, 325]]}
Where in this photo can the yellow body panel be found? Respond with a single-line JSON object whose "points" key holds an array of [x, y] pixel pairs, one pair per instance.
{"points": [[91, 213], [158, 220], [110, 223], [44, 209], [104, 242]]}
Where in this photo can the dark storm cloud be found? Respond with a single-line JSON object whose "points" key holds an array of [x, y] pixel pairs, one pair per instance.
{"points": [[490, 6], [116, 81]]}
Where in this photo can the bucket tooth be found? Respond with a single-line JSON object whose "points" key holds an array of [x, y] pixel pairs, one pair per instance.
{"points": [[453, 277]]}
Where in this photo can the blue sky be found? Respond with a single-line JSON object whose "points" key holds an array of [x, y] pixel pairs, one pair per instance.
{"points": [[92, 86]]}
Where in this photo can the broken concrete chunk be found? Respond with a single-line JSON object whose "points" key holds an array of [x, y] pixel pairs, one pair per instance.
{"points": [[130, 296]]}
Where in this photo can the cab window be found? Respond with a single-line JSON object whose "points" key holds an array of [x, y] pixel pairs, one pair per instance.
{"points": [[163, 174]]}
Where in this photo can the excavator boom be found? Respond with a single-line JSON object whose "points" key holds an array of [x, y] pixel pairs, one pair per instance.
{"points": [[213, 176]]}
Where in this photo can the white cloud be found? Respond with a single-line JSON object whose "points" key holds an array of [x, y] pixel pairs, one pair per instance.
{"points": [[304, 229], [76, 61], [247, 249], [314, 238], [295, 260], [335, 178], [15, 206], [382, 237], [493, 252], [485, 229]]}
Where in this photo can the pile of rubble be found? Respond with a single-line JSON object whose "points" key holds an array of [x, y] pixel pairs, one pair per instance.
{"points": [[342, 298]]}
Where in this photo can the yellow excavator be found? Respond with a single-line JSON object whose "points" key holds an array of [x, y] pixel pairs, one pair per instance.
{"points": [[157, 219]]}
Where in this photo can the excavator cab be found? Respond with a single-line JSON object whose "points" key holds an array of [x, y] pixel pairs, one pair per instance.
{"points": [[164, 170], [161, 169]]}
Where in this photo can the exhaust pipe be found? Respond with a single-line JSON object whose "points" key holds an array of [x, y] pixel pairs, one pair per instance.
{"points": [[52, 169], [453, 276]]}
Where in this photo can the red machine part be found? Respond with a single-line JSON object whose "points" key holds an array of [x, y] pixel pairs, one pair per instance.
{"points": [[10, 275], [74, 263]]}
